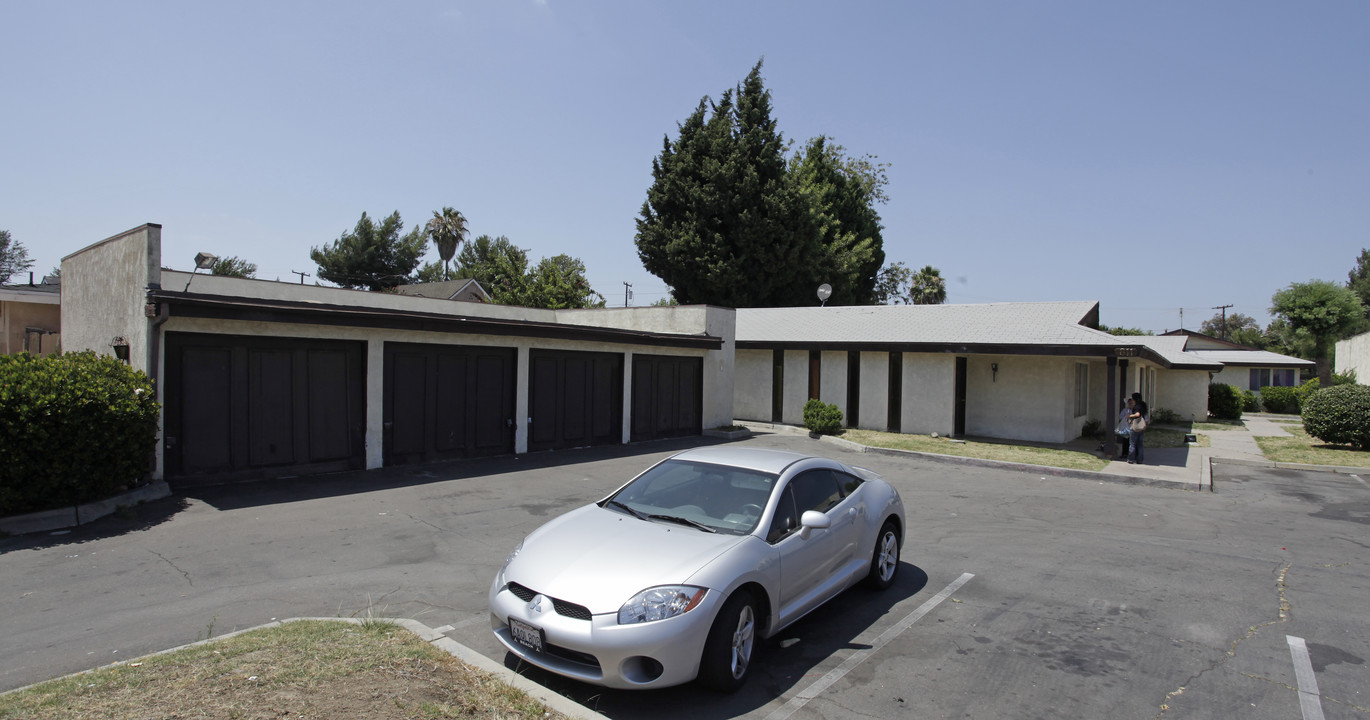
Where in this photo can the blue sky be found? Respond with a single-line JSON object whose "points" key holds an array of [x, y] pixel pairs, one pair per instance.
{"points": [[1151, 156]]}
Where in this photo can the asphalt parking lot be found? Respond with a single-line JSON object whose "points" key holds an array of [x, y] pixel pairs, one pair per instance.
{"points": [[1020, 595]]}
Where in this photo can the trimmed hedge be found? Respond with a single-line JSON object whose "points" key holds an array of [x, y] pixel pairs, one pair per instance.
{"points": [[77, 427], [1225, 401], [1250, 401], [1280, 399], [821, 417], [1339, 415]]}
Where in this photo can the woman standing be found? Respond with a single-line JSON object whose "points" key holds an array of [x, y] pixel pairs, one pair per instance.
{"points": [[1137, 422]]}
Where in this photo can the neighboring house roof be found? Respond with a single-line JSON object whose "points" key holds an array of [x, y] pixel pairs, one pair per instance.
{"points": [[1253, 358], [1040, 328], [46, 294], [1200, 341], [459, 289]]}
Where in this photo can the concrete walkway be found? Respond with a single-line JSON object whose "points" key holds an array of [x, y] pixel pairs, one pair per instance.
{"points": [[1191, 465]]}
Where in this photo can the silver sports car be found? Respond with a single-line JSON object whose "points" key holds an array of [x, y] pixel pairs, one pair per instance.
{"points": [[679, 573]]}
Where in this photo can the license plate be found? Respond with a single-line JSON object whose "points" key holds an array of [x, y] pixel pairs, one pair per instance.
{"points": [[526, 635]]}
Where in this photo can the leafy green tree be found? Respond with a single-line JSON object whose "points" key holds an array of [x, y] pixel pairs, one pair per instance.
{"points": [[891, 285], [1358, 280], [723, 223], [447, 229], [1122, 331], [841, 193], [500, 266], [559, 283], [234, 267], [14, 257], [1237, 328], [433, 272], [374, 257], [1327, 311], [928, 287]]}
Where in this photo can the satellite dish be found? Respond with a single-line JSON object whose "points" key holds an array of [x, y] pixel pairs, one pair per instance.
{"points": [[824, 292]]}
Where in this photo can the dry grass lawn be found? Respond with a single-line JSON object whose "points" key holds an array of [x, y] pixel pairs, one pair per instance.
{"points": [[302, 669], [1310, 451]]}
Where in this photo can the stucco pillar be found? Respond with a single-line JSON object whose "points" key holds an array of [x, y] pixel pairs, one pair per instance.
{"points": [[1111, 395]]}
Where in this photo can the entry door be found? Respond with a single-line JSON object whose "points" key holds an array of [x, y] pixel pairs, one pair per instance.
{"points": [[241, 407], [959, 427], [447, 401], [575, 399], [667, 396]]}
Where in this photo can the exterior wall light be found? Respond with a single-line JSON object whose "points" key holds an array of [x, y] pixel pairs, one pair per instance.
{"points": [[120, 345], [994, 369]]}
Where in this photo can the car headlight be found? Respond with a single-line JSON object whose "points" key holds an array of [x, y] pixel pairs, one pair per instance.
{"points": [[499, 579], [659, 603]]}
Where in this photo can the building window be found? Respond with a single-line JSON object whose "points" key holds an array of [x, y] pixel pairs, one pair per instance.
{"points": [[1081, 389], [1284, 378], [1260, 377]]}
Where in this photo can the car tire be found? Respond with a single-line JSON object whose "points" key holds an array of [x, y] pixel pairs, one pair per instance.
{"points": [[885, 559], [730, 650]]}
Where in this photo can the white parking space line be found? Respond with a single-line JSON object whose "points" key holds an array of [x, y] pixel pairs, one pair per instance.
{"points": [[821, 684], [1310, 701], [1358, 479]]}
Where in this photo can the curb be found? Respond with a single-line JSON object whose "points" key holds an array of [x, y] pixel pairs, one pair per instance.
{"points": [[432, 636], [81, 514], [999, 464]]}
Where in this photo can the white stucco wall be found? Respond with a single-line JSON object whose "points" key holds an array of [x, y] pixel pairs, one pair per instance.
{"points": [[875, 391], [796, 386], [929, 388], [1184, 392], [752, 385], [104, 289], [1353, 355], [833, 379], [1032, 398]]}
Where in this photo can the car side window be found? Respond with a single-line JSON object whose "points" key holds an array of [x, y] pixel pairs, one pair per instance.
{"points": [[786, 520], [815, 490], [849, 483]]}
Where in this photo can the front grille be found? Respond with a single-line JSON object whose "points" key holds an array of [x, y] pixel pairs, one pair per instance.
{"points": [[567, 609]]}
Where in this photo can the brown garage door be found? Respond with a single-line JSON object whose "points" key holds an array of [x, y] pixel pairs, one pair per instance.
{"points": [[574, 399], [241, 407], [667, 396], [448, 401]]}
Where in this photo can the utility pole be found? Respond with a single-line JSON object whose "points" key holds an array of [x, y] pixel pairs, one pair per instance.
{"points": [[302, 275], [627, 293], [1223, 334]]}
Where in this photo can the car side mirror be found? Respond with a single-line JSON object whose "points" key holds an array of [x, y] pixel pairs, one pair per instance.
{"points": [[813, 520]]}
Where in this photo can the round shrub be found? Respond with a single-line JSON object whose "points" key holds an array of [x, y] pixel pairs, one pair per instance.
{"points": [[1224, 401], [821, 417], [1280, 400], [1339, 415], [77, 427]]}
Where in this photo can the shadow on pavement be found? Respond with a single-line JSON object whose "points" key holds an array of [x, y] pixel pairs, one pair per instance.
{"points": [[143, 516], [779, 670], [281, 490]]}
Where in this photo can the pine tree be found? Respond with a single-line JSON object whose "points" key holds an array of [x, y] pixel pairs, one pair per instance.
{"points": [[723, 222]]}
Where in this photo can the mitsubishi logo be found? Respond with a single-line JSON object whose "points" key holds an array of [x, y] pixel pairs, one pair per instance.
{"points": [[535, 605]]}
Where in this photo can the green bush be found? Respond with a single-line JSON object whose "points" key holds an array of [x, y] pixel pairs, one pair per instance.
{"points": [[1250, 401], [1280, 399], [1312, 385], [821, 417], [1339, 415], [1225, 402], [77, 427]]}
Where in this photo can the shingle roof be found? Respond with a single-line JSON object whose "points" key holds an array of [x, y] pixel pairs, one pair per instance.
{"points": [[1028, 328], [1252, 358], [1053, 323]]}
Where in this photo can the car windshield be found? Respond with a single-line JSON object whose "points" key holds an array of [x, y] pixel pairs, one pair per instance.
{"points": [[715, 498]]}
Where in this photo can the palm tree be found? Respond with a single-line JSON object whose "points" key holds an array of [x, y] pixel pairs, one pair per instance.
{"points": [[928, 287], [447, 229]]}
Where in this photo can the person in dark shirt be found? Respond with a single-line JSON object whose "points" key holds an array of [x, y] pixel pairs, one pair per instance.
{"points": [[1140, 411]]}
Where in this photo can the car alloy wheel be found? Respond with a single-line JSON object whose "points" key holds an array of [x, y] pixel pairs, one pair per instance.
{"points": [[885, 563], [731, 645]]}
